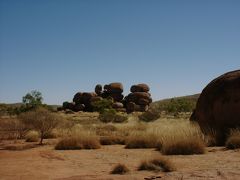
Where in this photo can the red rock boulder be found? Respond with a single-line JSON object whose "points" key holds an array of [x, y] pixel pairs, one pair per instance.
{"points": [[218, 107]]}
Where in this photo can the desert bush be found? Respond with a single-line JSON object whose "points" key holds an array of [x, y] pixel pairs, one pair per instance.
{"points": [[40, 120], [157, 164], [110, 115], [12, 128], [101, 105], [233, 141], [79, 140], [111, 140], [50, 135], [150, 115], [120, 169], [107, 115], [32, 136]]}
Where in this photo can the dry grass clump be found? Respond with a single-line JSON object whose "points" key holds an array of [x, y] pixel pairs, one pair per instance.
{"points": [[111, 140], [128, 129], [233, 141], [210, 137], [185, 141], [105, 130], [32, 136], [79, 140], [185, 146], [142, 140], [120, 169], [157, 164]]}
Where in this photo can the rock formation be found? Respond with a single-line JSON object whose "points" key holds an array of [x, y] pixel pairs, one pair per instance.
{"points": [[138, 100], [218, 107]]}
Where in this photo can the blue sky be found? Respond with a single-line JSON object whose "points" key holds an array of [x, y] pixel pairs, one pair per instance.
{"points": [[60, 47]]}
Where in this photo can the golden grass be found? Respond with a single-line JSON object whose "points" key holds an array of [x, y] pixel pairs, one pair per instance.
{"points": [[79, 140], [120, 169], [169, 136], [157, 164], [111, 140], [32, 136], [185, 146], [142, 140], [183, 140], [233, 141]]}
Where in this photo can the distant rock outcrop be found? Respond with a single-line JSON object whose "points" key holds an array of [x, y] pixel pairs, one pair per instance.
{"points": [[218, 107], [138, 100]]}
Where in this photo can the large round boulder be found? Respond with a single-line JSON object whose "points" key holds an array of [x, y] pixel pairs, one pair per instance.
{"points": [[140, 88], [135, 97], [98, 89], [218, 107], [114, 88], [78, 98]]}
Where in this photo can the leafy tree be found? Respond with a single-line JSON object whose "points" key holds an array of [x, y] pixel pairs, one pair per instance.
{"points": [[33, 99]]}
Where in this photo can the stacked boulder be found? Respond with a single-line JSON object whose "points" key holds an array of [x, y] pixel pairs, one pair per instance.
{"points": [[139, 98], [114, 92], [83, 101]]}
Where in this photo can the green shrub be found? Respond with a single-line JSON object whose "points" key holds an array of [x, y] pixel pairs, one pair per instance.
{"points": [[177, 105], [101, 105], [111, 115], [150, 115]]}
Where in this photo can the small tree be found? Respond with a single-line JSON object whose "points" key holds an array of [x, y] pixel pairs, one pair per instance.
{"points": [[33, 99], [40, 120]]}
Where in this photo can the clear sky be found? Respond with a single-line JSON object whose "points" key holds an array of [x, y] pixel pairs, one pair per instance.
{"points": [[60, 47]]}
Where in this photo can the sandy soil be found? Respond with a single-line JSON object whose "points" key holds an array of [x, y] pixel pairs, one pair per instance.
{"points": [[43, 162]]}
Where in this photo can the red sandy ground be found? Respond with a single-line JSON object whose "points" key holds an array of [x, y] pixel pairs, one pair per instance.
{"points": [[43, 162]]}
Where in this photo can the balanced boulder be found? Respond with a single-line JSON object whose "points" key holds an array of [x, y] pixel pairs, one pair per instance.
{"points": [[98, 89], [114, 88], [140, 88], [139, 98]]}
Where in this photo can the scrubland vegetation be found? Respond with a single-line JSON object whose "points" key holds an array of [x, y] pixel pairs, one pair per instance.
{"points": [[163, 131]]}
